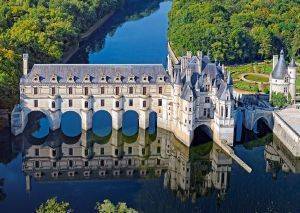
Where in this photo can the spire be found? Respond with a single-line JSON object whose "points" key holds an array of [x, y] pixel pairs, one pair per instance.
{"points": [[280, 68], [293, 63], [215, 84], [229, 80], [178, 78]]}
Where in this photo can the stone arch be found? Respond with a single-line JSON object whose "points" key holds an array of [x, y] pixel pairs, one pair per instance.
{"points": [[38, 123], [130, 123], [102, 123], [202, 134], [71, 123], [267, 119]]}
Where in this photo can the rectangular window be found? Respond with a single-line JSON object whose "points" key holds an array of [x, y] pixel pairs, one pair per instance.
{"points": [[204, 113], [207, 99], [117, 104], [102, 90], [86, 104], [36, 103], [70, 103], [226, 111], [35, 90], [159, 102], [158, 161], [70, 151], [158, 150], [144, 104], [130, 90], [54, 164], [53, 90], [102, 151], [102, 102], [116, 151], [86, 91], [129, 150], [160, 90], [130, 102], [129, 162], [70, 90], [144, 90], [117, 90], [37, 152]]}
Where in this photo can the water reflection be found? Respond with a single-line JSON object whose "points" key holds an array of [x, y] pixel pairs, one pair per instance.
{"points": [[279, 158], [126, 44], [189, 173]]}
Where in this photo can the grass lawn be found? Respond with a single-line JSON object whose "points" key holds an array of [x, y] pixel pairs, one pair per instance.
{"points": [[257, 78], [239, 70]]}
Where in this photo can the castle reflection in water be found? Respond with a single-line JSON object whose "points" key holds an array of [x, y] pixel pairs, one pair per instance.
{"points": [[189, 172]]}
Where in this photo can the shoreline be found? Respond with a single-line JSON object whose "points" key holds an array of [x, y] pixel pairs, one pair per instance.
{"points": [[73, 49]]}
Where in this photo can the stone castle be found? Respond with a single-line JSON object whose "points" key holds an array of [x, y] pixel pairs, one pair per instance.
{"points": [[283, 78], [191, 93]]}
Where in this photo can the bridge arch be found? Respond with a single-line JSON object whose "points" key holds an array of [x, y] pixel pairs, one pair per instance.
{"points": [[102, 123], [261, 122], [71, 124], [38, 124], [130, 123], [202, 134]]}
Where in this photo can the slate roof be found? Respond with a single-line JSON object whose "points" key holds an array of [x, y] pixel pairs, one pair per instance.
{"points": [[212, 71], [96, 71], [293, 63], [280, 68], [188, 91]]}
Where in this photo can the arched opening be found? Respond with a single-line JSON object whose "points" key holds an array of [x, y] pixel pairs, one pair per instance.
{"points": [[261, 127], [38, 125], [130, 123], [102, 123], [202, 134], [152, 123], [71, 124]]}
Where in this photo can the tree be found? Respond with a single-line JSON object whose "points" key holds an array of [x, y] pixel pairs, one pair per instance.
{"points": [[52, 206], [108, 207], [279, 100]]}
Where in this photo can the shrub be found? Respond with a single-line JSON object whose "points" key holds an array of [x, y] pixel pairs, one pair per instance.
{"points": [[108, 207], [52, 206], [279, 100]]}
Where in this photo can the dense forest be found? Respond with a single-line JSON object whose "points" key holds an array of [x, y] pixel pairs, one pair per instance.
{"points": [[236, 31], [43, 28]]}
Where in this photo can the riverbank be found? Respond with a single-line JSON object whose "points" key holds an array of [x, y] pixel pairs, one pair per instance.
{"points": [[85, 35]]}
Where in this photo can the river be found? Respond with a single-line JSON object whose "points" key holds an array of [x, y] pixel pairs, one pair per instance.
{"points": [[149, 170]]}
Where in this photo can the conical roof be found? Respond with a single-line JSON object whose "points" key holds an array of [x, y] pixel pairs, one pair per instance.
{"points": [[280, 68], [293, 63], [229, 79]]}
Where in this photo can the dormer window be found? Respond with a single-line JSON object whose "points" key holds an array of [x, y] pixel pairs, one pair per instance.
{"points": [[36, 78], [145, 79], [131, 79], [87, 79], [118, 78], [103, 78], [161, 78], [54, 79], [70, 78]]}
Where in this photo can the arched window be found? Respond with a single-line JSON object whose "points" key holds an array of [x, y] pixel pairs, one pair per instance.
{"points": [[53, 104], [86, 104]]}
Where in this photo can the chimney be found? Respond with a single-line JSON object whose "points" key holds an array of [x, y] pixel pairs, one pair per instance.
{"points": [[25, 64], [200, 55], [275, 61], [188, 74]]}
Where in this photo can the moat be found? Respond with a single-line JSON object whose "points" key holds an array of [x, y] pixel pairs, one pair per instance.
{"points": [[149, 170]]}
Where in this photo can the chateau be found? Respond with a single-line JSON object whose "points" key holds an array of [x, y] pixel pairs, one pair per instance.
{"points": [[191, 93], [283, 77]]}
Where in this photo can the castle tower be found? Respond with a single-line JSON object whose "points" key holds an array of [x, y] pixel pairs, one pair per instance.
{"points": [[25, 64], [292, 70]]}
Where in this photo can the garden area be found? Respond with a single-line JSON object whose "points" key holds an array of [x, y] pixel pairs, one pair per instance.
{"points": [[253, 77]]}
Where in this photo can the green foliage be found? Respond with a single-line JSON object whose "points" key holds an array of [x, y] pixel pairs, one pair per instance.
{"points": [[257, 78], [246, 86], [52, 206], [235, 31], [279, 100], [108, 207], [45, 29]]}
